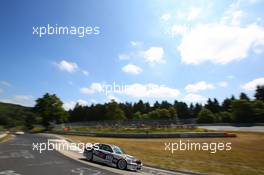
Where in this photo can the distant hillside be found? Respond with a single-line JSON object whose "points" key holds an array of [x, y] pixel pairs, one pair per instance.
{"points": [[13, 115]]}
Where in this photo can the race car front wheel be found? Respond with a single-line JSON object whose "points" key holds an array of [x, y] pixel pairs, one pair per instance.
{"points": [[89, 156], [122, 164]]}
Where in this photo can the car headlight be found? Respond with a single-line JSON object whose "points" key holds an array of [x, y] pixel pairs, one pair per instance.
{"points": [[129, 161]]}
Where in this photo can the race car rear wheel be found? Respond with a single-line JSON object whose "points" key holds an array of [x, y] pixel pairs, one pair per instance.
{"points": [[122, 164], [89, 156]]}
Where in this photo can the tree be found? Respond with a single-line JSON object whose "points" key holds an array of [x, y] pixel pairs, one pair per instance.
{"points": [[181, 109], [226, 105], [213, 105], [154, 114], [206, 116], [164, 114], [191, 111], [128, 109], [139, 107], [197, 109], [224, 117], [77, 114], [30, 121], [137, 115], [258, 107], [165, 105], [173, 113], [114, 112], [259, 95], [50, 109], [243, 96], [156, 105], [242, 111]]}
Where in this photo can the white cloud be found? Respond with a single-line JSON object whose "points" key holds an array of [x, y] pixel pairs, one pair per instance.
{"points": [[199, 86], [218, 43], [232, 16], [71, 104], [93, 88], [124, 57], [191, 14], [165, 17], [150, 90], [252, 85], [86, 73], [137, 90], [154, 55], [5, 83], [222, 84], [236, 17], [26, 100], [131, 69], [195, 98], [67, 66], [255, 1], [23, 97], [194, 13], [136, 43], [178, 30]]}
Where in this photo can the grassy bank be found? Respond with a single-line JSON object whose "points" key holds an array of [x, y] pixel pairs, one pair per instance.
{"points": [[5, 138], [246, 156]]}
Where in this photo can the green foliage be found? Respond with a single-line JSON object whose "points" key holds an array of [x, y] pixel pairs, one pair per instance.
{"points": [[182, 110], [137, 115], [259, 93], [243, 96], [226, 105], [242, 111], [114, 112], [224, 117], [30, 120], [213, 105], [258, 108], [206, 116], [49, 107], [12, 115]]}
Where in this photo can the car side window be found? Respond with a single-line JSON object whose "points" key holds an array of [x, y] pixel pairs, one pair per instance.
{"points": [[106, 148]]}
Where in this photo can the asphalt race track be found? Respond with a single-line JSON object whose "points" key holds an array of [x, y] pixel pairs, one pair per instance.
{"points": [[18, 158]]}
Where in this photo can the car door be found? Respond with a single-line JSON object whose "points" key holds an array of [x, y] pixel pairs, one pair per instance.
{"points": [[108, 152]]}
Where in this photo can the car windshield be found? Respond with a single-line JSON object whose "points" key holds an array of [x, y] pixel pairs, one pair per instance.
{"points": [[118, 150]]}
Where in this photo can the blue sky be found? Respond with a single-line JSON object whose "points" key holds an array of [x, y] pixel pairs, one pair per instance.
{"points": [[156, 50]]}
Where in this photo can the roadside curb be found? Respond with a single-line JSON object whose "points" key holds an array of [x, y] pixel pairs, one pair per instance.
{"points": [[3, 135]]}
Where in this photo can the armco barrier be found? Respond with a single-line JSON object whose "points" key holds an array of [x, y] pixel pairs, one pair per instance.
{"points": [[145, 135]]}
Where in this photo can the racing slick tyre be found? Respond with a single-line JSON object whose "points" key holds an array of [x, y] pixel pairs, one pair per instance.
{"points": [[122, 164], [89, 156]]}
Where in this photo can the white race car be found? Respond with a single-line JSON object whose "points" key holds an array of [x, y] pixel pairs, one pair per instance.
{"points": [[113, 156]]}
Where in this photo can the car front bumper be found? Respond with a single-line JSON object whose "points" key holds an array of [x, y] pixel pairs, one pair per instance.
{"points": [[134, 166]]}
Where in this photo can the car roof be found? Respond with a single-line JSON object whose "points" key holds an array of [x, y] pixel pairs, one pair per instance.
{"points": [[111, 145]]}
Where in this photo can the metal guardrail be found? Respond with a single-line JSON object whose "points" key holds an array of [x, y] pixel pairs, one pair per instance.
{"points": [[150, 135]]}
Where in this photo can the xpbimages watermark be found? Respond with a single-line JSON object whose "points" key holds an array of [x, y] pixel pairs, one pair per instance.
{"points": [[212, 147], [79, 31], [63, 145]]}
